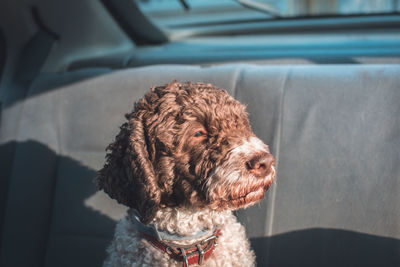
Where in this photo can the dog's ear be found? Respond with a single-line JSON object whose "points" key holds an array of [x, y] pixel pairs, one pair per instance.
{"points": [[128, 175]]}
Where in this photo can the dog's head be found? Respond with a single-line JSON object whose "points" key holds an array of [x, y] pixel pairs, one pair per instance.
{"points": [[186, 144]]}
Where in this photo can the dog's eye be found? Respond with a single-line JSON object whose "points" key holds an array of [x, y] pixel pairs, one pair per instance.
{"points": [[198, 134]]}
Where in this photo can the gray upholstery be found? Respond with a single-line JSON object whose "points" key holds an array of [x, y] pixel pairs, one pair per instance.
{"points": [[334, 129]]}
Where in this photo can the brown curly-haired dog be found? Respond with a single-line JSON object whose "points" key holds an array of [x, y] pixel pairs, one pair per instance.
{"points": [[184, 160]]}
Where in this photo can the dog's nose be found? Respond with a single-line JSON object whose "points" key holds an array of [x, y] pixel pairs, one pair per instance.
{"points": [[260, 164]]}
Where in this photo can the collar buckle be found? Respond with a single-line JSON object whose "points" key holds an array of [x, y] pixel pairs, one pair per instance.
{"points": [[201, 254], [214, 236], [185, 258]]}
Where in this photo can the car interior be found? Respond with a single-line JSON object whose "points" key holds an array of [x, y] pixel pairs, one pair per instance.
{"points": [[320, 79]]}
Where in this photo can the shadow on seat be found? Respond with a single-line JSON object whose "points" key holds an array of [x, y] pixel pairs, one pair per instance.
{"points": [[326, 247], [46, 211]]}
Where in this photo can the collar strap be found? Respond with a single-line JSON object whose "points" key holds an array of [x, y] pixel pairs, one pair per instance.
{"points": [[195, 253], [151, 230]]}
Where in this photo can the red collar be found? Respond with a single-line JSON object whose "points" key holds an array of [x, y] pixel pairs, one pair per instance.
{"points": [[188, 254]]}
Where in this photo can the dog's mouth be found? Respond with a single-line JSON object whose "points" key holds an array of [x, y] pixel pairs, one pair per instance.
{"points": [[252, 197], [248, 199], [242, 195]]}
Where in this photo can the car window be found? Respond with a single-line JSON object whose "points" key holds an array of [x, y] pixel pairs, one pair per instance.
{"points": [[178, 14]]}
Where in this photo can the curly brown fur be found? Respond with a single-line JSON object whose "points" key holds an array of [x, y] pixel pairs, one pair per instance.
{"points": [[177, 146]]}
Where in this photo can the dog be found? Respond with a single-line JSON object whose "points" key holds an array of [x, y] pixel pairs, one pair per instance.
{"points": [[184, 160]]}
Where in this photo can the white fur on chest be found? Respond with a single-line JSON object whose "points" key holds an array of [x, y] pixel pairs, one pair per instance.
{"points": [[128, 248]]}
